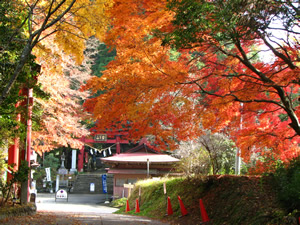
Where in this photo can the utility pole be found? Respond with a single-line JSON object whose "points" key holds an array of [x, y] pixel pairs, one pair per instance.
{"points": [[237, 155], [237, 162]]}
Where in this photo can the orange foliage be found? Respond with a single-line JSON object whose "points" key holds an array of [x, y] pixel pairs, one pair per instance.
{"points": [[174, 100], [62, 113], [56, 33]]}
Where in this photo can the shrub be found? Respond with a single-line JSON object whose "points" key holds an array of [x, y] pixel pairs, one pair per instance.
{"points": [[287, 179], [19, 176]]}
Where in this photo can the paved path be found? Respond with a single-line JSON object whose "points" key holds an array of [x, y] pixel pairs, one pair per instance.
{"points": [[78, 210], [77, 203]]}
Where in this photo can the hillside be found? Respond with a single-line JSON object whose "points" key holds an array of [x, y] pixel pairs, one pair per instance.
{"points": [[227, 200]]}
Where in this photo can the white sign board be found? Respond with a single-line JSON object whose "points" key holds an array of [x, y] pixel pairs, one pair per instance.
{"points": [[92, 187], [61, 194]]}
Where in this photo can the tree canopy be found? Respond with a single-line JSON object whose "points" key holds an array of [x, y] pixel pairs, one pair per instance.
{"points": [[51, 34], [184, 66], [70, 22], [228, 37]]}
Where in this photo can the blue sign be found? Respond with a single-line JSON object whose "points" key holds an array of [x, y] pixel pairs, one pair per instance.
{"points": [[104, 183]]}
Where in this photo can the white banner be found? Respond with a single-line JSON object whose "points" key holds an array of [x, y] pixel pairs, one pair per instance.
{"points": [[48, 174]]}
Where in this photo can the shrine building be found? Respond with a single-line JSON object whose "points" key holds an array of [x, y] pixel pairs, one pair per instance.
{"points": [[137, 163]]}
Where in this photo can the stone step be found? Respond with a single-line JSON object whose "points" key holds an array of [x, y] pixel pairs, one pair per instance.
{"points": [[82, 184]]}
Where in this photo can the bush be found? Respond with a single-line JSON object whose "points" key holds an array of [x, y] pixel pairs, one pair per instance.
{"points": [[19, 176], [40, 174], [121, 202], [287, 179]]}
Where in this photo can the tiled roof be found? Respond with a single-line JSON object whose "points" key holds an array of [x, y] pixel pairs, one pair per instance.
{"points": [[140, 157]]}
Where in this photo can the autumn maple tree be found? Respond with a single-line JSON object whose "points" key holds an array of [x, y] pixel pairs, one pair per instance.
{"points": [[185, 66], [42, 42], [228, 46], [52, 34], [129, 94], [70, 22], [62, 112]]}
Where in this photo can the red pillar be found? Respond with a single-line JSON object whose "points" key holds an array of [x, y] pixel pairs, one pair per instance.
{"points": [[80, 159], [13, 156], [13, 150]]}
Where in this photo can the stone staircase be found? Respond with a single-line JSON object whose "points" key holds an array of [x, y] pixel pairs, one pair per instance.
{"points": [[82, 184]]}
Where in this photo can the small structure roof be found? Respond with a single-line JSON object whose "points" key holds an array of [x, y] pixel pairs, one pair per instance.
{"points": [[141, 157]]}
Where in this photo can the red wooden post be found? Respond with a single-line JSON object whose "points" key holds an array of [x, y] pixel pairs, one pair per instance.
{"points": [[13, 150], [13, 157]]}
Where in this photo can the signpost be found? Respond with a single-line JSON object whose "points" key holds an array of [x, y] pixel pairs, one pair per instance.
{"points": [[140, 192], [165, 193], [61, 194], [129, 186]]}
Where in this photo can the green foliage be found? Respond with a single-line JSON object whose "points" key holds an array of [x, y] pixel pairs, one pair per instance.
{"points": [[11, 46], [287, 180], [99, 63], [174, 55], [153, 199], [2, 161], [121, 202], [195, 161], [211, 154], [19, 176], [104, 56], [228, 200], [220, 19], [51, 161], [12, 43], [38, 175]]}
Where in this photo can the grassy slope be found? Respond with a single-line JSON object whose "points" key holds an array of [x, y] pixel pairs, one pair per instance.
{"points": [[227, 200]]}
